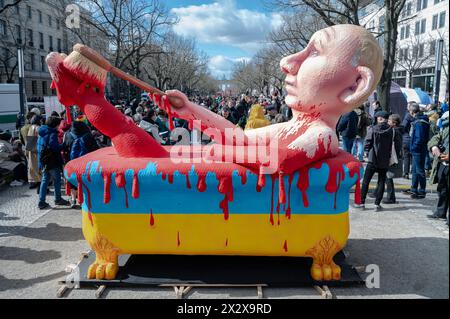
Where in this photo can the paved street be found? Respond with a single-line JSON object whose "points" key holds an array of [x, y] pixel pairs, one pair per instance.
{"points": [[411, 251]]}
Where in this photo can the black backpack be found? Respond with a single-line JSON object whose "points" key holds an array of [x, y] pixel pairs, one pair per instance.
{"points": [[49, 157]]}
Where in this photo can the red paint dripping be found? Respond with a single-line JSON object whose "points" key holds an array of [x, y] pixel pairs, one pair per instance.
{"points": [[226, 187], [120, 180], [226, 243], [243, 175], [178, 240], [164, 176], [107, 188], [89, 172], [201, 184], [261, 182], [303, 185], [80, 190], [152, 219], [135, 189], [126, 197], [289, 210], [272, 201], [68, 188], [188, 182], [285, 246], [170, 178], [281, 190], [337, 176]]}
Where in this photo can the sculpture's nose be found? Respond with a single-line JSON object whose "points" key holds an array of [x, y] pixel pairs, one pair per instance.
{"points": [[291, 64]]}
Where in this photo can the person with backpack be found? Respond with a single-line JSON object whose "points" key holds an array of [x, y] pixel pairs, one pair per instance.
{"points": [[364, 121], [348, 128], [378, 150], [420, 135], [78, 142], [50, 161]]}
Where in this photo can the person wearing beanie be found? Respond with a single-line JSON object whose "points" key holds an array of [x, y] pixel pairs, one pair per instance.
{"points": [[378, 150]]}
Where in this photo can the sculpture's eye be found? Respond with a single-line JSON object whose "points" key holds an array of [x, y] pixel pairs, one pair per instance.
{"points": [[314, 53]]}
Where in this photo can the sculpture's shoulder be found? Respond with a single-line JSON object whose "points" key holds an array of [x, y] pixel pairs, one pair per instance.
{"points": [[316, 138]]}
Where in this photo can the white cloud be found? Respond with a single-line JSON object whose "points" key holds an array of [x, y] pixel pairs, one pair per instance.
{"points": [[222, 22], [222, 66]]}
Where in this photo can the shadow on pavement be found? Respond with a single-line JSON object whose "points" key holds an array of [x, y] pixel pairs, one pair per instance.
{"points": [[5, 217], [27, 255], [52, 232], [12, 284]]}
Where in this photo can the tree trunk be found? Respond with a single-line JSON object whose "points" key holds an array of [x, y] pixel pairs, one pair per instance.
{"points": [[390, 45]]}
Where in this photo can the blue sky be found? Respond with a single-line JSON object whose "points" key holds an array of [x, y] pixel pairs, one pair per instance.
{"points": [[227, 30]]}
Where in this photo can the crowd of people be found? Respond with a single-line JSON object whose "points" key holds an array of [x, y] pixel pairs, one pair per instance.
{"points": [[414, 147]]}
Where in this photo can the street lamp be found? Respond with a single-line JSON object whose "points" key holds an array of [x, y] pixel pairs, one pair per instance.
{"points": [[21, 78], [437, 71]]}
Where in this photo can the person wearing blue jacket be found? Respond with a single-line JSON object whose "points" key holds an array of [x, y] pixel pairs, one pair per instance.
{"points": [[406, 124], [348, 129], [420, 135], [50, 161]]}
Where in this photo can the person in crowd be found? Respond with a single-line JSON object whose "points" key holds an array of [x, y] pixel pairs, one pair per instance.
{"points": [[347, 127], [256, 118], [149, 125], [24, 130], [364, 122], [378, 149], [78, 142], [226, 113], [377, 107], [50, 161], [11, 160], [286, 111], [420, 133], [34, 173], [63, 127], [395, 168], [129, 112], [271, 113], [439, 146], [406, 124]]}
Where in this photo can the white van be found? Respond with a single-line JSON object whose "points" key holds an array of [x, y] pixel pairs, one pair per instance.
{"points": [[9, 106]]}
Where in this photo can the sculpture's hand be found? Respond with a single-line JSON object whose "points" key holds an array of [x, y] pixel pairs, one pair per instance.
{"points": [[70, 89], [184, 108]]}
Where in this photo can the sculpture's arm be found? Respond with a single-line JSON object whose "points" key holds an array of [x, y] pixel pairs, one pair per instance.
{"points": [[217, 126]]}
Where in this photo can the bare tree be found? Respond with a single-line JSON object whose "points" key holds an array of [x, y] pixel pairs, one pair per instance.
{"points": [[16, 36], [131, 27], [10, 5], [414, 54]]}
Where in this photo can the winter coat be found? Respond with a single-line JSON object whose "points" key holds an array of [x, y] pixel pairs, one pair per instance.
{"points": [[256, 118], [348, 125], [6, 149], [364, 121], [398, 144], [379, 145], [420, 134], [78, 130], [407, 121], [49, 137], [439, 139]]}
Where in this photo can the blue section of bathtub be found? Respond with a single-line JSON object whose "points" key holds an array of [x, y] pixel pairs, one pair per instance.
{"points": [[164, 198]]}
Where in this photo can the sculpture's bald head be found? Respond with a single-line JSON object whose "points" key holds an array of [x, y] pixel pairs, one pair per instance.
{"points": [[338, 70]]}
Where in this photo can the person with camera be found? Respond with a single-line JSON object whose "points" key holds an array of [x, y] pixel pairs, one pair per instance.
{"points": [[438, 145]]}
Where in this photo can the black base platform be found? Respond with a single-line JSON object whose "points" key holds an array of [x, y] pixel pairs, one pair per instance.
{"points": [[157, 270]]}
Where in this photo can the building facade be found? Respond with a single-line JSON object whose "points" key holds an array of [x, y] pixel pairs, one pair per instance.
{"points": [[423, 23], [39, 27]]}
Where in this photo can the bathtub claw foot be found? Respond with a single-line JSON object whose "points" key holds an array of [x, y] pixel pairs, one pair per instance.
{"points": [[106, 265], [324, 268]]}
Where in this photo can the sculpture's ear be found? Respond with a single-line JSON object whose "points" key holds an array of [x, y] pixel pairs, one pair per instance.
{"points": [[360, 90]]}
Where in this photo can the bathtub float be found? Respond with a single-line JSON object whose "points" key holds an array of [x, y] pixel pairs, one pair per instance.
{"points": [[148, 206]]}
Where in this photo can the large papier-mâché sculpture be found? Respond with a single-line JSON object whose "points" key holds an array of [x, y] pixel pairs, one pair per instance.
{"points": [[141, 198]]}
